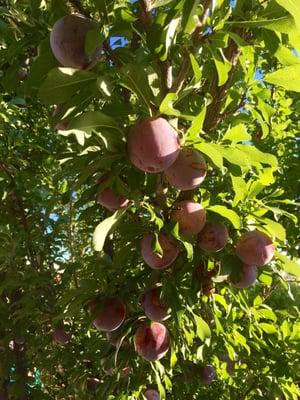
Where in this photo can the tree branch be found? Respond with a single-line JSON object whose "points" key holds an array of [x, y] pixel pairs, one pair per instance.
{"points": [[197, 38], [213, 117], [78, 7], [17, 207]]}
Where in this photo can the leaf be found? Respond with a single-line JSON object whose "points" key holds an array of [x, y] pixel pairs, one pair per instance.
{"points": [[134, 78], [268, 328], [91, 120], [196, 68], [188, 22], [202, 329], [285, 24], [287, 77], [237, 134], [159, 3], [232, 155], [197, 124], [240, 189], [166, 106], [62, 83], [293, 7], [170, 33], [289, 266], [102, 163], [275, 228], [255, 155], [231, 215], [212, 153], [105, 227], [222, 65]]}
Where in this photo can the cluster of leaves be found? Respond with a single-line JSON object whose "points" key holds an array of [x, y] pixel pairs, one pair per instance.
{"points": [[227, 77]]}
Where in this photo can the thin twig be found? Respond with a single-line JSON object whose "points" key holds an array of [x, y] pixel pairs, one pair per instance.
{"points": [[196, 40], [78, 7]]}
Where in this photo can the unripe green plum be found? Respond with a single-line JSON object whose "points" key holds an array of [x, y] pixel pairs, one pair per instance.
{"points": [[153, 145], [109, 313], [213, 237], [188, 171], [207, 374], [169, 247], [191, 217], [152, 394], [247, 278], [67, 40], [153, 307], [152, 341], [255, 248]]}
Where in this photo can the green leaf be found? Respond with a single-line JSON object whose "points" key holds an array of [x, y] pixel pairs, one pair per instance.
{"points": [[237, 134], [232, 155], [62, 83], [287, 77], [197, 125], [268, 328], [293, 7], [196, 68], [188, 22], [289, 266], [283, 24], [212, 152], [254, 155], [105, 227], [275, 228], [222, 65], [134, 78], [91, 120], [231, 215], [285, 56], [166, 106], [202, 329], [240, 189], [160, 3], [170, 34]]}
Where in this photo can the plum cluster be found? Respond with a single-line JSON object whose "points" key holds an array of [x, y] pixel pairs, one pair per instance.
{"points": [[153, 146]]}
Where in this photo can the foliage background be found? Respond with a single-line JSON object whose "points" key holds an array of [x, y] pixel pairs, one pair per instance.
{"points": [[227, 76]]}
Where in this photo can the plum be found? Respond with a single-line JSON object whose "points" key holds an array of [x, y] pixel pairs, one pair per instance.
{"points": [[213, 237], [207, 374], [109, 313], [114, 337], [247, 278], [112, 201], [153, 145], [255, 248], [151, 394], [92, 384], [67, 40], [152, 305], [62, 125], [191, 217], [188, 171], [169, 247], [152, 341], [61, 336]]}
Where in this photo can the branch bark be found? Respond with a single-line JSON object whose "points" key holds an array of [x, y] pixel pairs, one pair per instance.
{"points": [[78, 7], [17, 208], [196, 40], [213, 117]]}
